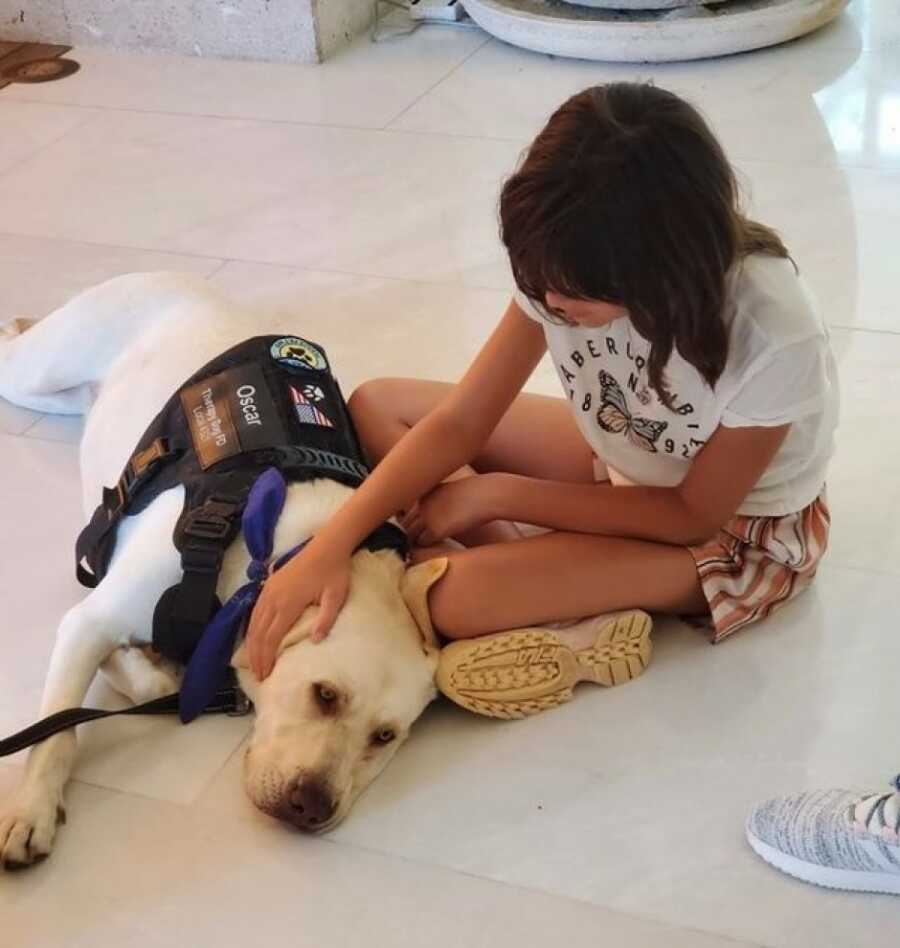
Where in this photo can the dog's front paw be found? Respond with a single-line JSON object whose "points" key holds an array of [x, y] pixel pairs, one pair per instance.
{"points": [[28, 827]]}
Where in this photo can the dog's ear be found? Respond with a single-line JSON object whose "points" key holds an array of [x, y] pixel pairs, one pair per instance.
{"points": [[301, 630], [414, 588]]}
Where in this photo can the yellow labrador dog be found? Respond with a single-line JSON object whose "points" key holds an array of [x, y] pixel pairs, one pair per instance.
{"points": [[331, 715]]}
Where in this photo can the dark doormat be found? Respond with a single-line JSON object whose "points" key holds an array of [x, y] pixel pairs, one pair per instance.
{"points": [[33, 62]]}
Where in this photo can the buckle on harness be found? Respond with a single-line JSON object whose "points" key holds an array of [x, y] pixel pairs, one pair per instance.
{"points": [[212, 520], [143, 459], [137, 466], [121, 490]]}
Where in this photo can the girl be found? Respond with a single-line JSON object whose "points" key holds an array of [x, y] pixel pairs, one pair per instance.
{"points": [[683, 472]]}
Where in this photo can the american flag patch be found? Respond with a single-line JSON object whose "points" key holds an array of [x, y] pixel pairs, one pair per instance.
{"points": [[307, 412]]}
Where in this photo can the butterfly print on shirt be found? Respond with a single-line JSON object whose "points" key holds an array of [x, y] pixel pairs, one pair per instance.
{"points": [[614, 416]]}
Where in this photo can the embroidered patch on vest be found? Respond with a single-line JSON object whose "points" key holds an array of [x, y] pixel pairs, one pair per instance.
{"points": [[231, 413], [299, 354], [308, 413]]}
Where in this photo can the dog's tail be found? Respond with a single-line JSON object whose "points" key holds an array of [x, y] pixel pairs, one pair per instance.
{"points": [[55, 364]]}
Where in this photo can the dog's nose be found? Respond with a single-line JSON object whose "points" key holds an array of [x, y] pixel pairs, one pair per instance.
{"points": [[311, 805]]}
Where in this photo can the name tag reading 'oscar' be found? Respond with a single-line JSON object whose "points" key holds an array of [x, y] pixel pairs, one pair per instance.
{"points": [[231, 413]]}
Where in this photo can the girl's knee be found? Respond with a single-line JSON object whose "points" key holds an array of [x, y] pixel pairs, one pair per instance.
{"points": [[401, 400], [364, 396], [374, 400]]}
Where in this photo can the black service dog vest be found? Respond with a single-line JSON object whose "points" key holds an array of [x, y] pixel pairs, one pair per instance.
{"points": [[271, 401]]}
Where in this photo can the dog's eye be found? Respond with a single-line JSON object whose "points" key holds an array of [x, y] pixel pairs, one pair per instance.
{"points": [[325, 695], [384, 736]]}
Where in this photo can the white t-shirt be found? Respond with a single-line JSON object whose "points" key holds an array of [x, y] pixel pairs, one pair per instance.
{"points": [[780, 370]]}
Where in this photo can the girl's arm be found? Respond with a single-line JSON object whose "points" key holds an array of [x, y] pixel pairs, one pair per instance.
{"points": [[721, 476], [447, 437], [442, 442]]}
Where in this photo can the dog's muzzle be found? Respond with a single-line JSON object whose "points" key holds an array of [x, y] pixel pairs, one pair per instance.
{"points": [[308, 803]]}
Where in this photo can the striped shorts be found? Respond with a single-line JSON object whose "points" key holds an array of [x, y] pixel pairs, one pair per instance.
{"points": [[757, 564]]}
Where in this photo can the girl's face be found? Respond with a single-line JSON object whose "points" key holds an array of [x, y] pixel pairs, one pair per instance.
{"points": [[587, 313]]}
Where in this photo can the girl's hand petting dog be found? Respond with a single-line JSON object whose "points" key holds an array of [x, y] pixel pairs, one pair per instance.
{"points": [[320, 576], [312, 577]]}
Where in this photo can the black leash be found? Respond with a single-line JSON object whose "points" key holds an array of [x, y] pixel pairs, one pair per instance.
{"points": [[230, 700]]}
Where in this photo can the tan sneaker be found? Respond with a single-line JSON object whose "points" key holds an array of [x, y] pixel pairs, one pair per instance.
{"points": [[518, 673]]}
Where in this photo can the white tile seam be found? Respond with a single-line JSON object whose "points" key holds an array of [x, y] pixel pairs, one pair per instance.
{"points": [[407, 860], [44, 439], [105, 246], [433, 86], [222, 262], [298, 123], [549, 894], [96, 113], [24, 431], [831, 161], [217, 270]]}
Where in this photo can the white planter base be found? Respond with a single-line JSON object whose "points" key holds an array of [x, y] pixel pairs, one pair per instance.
{"points": [[657, 5], [563, 29]]}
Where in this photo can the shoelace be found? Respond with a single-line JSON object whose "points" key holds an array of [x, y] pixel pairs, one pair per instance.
{"points": [[879, 814]]}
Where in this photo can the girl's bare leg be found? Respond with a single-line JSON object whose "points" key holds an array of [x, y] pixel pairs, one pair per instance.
{"points": [[560, 576]]}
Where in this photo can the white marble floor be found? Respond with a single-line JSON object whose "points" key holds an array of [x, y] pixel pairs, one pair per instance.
{"points": [[359, 199]]}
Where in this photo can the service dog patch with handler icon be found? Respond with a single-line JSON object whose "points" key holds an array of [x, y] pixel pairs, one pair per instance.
{"points": [[299, 354]]}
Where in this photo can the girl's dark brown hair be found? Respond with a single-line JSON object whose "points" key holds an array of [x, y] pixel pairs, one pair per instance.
{"points": [[626, 196]]}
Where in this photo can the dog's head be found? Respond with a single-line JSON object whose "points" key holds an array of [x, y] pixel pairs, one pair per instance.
{"points": [[332, 715]]}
